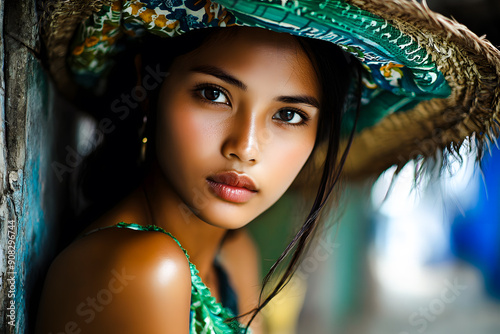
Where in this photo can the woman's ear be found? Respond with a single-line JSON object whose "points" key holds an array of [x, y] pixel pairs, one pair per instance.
{"points": [[144, 104]]}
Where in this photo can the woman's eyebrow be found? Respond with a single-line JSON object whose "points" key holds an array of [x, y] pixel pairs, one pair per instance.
{"points": [[221, 74], [302, 99], [226, 77]]}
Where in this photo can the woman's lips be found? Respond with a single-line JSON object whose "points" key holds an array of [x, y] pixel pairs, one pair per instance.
{"points": [[232, 187]]}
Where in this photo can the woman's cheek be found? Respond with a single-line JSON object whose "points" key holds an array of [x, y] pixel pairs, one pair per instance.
{"points": [[286, 159], [193, 133]]}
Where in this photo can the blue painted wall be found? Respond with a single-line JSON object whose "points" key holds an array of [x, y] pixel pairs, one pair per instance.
{"points": [[32, 137]]}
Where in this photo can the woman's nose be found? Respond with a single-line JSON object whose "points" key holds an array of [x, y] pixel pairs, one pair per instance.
{"points": [[242, 140]]}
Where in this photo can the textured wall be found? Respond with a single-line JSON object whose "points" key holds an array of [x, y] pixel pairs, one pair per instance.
{"points": [[30, 192]]}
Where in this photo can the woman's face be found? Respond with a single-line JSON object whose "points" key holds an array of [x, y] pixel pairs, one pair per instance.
{"points": [[237, 120]]}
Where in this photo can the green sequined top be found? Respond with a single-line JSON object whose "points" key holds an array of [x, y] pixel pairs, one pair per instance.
{"points": [[207, 316]]}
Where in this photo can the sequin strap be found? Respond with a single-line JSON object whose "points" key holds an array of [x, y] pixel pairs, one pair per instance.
{"points": [[138, 227]]}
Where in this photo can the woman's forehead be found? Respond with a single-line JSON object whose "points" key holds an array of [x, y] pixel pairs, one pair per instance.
{"points": [[254, 54]]}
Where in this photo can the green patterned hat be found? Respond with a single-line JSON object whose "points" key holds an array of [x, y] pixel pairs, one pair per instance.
{"points": [[429, 84]]}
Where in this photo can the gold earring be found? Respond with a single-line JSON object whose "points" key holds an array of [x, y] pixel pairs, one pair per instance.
{"points": [[144, 139], [143, 148]]}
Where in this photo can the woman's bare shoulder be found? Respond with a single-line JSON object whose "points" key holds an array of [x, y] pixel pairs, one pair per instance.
{"points": [[117, 281]]}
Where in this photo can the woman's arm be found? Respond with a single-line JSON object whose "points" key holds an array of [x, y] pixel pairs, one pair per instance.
{"points": [[117, 281], [240, 259]]}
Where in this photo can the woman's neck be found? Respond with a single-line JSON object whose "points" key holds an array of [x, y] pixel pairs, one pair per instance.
{"points": [[166, 210]]}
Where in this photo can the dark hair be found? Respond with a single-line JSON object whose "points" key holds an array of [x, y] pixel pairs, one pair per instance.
{"points": [[335, 70]]}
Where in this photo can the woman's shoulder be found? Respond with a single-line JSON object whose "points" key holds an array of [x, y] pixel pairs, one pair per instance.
{"points": [[145, 252], [117, 276], [131, 244]]}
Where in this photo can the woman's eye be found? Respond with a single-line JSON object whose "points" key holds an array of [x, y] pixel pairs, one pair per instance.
{"points": [[290, 116], [214, 95]]}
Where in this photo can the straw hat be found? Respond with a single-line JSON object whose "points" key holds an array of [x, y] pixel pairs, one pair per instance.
{"points": [[430, 84]]}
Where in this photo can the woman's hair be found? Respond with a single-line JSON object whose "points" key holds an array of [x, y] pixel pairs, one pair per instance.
{"points": [[335, 70]]}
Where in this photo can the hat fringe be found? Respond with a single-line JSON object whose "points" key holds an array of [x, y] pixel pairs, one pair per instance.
{"points": [[471, 66]]}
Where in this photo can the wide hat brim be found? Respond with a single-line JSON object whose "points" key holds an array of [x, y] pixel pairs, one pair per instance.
{"points": [[432, 84]]}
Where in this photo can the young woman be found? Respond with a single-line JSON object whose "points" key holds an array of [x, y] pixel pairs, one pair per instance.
{"points": [[239, 113], [236, 120]]}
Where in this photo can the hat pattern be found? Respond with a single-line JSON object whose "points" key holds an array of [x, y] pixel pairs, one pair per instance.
{"points": [[94, 44], [399, 72]]}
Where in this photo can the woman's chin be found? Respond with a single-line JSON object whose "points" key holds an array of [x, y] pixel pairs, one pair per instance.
{"points": [[228, 215]]}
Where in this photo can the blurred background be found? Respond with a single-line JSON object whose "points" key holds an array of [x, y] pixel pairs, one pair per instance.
{"points": [[402, 260]]}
